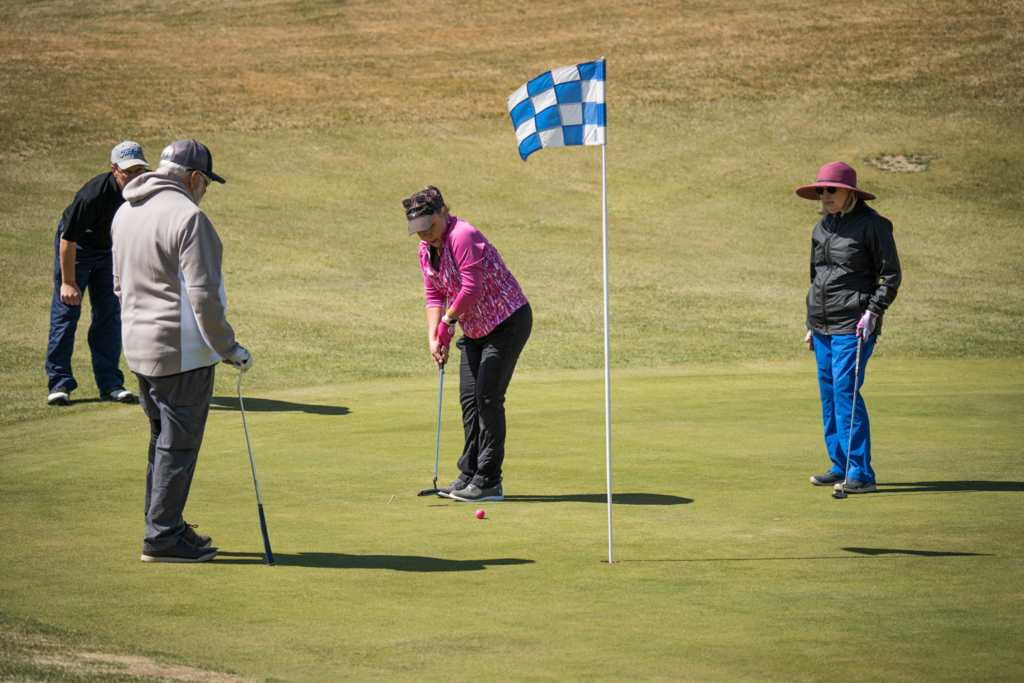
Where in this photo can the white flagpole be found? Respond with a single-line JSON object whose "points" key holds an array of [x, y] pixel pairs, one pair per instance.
{"points": [[607, 368]]}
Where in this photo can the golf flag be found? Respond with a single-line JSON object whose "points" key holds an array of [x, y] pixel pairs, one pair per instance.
{"points": [[562, 107]]}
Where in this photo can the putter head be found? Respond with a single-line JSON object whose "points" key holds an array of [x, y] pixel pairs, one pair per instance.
{"points": [[428, 492], [839, 494]]}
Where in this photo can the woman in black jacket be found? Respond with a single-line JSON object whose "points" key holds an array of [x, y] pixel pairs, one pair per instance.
{"points": [[855, 273]]}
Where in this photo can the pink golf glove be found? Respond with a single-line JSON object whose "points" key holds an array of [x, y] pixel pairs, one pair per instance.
{"points": [[866, 326], [445, 332]]}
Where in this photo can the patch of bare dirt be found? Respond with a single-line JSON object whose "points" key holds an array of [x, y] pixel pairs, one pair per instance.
{"points": [[143, 667], [899, 163]]}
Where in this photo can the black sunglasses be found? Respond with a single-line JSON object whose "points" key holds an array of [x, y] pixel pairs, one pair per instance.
{"points": [[822, 190]]}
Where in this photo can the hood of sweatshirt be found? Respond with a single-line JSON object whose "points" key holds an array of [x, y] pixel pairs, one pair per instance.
{"points": [[148, 184]]}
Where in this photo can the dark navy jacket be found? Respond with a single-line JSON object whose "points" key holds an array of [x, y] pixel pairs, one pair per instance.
{"points": [[87, 220], [854, 267]]}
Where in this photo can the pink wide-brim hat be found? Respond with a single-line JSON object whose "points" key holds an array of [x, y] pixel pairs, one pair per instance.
{"points": [[835, 174]]}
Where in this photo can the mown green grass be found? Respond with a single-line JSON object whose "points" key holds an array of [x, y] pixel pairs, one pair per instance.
{"points": [[732, 567], [322, 115]]}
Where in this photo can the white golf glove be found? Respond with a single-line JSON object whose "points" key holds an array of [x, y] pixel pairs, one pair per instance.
{"points": [[240, 359]]}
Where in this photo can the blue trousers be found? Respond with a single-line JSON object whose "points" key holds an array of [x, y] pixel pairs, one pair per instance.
{"points": [[836, 356], [94, 271]]}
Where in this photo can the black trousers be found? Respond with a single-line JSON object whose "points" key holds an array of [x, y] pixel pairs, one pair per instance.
{"points": [[484, 374]]}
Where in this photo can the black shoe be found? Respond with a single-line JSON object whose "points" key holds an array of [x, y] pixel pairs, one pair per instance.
{"points": [[183, 551], [826, 479], [475, 494], [457, 485], [857, 486], [59, 397], [195, 539]]}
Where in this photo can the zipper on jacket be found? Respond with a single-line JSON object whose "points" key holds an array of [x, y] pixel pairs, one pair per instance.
{"points": [[828, 259]]}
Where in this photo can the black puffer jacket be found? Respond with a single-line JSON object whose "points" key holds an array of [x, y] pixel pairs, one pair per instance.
{"points": [[854, 267]]}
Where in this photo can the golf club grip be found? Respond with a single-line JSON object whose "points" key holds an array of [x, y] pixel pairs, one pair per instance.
{"points": [[266, 538]]}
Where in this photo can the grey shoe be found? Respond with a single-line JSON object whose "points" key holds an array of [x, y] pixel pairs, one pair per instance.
{"points": [[457, 485], [475, 494], [856, 486], [195, 539], [119, 395], [183, 551], [59, 397], [826, 479]]}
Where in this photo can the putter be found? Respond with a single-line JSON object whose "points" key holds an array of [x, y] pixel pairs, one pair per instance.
{"points": [[259, 500], [840, 491], [437, 445]]}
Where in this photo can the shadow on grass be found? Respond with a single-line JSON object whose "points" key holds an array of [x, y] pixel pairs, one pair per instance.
{"points": [[269, 405], [861, 554], [919, 553], [398, 563], [952, 486], [617, 499]]}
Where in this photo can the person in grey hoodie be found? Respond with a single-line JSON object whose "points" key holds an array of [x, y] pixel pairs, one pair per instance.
{"points": [[167, 276]]}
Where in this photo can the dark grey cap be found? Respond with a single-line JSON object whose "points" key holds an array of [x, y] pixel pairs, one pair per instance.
{"points": [[191, 154]]}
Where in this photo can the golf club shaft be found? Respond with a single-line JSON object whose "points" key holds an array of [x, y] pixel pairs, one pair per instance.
{"points": [[437, 445], [255, 481]]}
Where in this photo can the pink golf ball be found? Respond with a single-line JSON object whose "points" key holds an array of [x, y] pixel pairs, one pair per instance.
{"points": [[480, 514]]}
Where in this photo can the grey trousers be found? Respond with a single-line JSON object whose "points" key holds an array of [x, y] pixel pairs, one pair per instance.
{"points": [[177, 407]]}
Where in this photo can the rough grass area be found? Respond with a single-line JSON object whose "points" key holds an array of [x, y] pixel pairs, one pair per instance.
{"points": [[31, 651], [732, 566]]}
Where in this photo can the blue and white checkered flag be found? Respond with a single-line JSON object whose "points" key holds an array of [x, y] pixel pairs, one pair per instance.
{"points": [[562, 107]]}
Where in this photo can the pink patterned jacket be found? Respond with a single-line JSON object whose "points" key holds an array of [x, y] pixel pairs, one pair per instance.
{"points": [[472, 275]]}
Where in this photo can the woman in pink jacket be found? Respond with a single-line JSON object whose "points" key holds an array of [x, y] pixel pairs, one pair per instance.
{"points": [[467, 283]]}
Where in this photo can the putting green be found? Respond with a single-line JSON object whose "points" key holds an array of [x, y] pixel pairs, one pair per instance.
{"points": [[731, 565]]}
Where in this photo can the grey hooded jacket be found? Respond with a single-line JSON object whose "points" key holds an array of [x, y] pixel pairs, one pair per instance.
{"points": [[167, 275]]}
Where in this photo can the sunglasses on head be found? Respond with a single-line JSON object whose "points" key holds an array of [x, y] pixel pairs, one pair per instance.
{"points": [[822, 190], [418, 200]]}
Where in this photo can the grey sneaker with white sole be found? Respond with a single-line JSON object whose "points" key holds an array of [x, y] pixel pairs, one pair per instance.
{"points": [[457, 485], [856, 486], [826, 479], [475, 494]]}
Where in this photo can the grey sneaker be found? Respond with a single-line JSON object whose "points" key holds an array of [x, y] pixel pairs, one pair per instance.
{"points": [[857, 486], [119, 395], [826, 479], [475, 494], [195, 539], [183, 551], [457, 485], [59, 397]]}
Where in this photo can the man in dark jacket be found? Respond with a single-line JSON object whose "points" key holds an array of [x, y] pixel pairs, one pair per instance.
{"points": [[855, 274], [82, 260]]}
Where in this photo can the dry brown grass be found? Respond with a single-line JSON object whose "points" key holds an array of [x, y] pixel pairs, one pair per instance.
{"points": [[77, 71], [29, 655]]}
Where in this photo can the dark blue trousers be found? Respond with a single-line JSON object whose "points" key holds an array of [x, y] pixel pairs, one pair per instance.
{"points": [[94, 272], [836, 355]]}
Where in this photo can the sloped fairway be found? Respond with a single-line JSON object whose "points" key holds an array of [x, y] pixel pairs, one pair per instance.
{"points": [[731, 566], [322, 115]]}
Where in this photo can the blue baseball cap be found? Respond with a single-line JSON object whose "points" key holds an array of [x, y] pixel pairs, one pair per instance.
{"points": [[192, 155]]}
